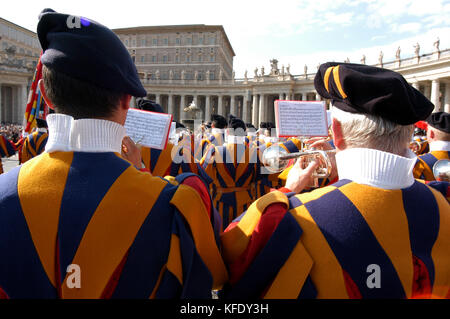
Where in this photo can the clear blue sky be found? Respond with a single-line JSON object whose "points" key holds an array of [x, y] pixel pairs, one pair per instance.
{"points": [[296, 32]]}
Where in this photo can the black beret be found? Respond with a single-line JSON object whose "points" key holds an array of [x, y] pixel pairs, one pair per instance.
{"points": [[249, 125], [219, 120], [41, 123], [236, 123], [263, 125], [88, 51], [147, 105], [358, 88], [440, 121], [45, 11], [179, 125]]}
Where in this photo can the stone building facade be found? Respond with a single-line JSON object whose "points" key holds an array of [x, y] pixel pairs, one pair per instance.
{"points": [[182, 64], [183, 52], [19, 54], [252, 98]]}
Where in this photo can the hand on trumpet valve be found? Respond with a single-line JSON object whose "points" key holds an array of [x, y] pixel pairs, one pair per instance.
{"points": [[321, 143], [415, 146], [301, 174], [131, 152]]}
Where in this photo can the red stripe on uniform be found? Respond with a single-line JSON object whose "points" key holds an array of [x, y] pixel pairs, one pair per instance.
{"points": [[263, 231], [421, 284], [200, 187], [352, 289], [3, 294]]}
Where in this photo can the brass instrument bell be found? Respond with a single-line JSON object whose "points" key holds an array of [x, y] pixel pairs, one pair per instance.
{"points": [[441, 170]]}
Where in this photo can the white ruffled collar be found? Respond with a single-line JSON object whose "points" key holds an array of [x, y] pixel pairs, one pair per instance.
{"points": [[439, 146], [232, 139], [85, 135], [376, 168]]}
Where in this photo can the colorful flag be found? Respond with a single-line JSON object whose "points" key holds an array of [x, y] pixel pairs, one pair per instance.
{"points": [[35, 102]]}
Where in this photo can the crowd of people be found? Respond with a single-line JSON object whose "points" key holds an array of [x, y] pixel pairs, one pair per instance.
{"points": [[12, 132], [94, 215]]}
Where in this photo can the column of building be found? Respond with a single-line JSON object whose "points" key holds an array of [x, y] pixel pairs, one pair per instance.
{"points": [[170, 104], [255, 110], [220, 105], [182, 106], [23, 99], [262, 108], [245, 108], [208, 108], [434, 97], [447, 98], [233, 105]]}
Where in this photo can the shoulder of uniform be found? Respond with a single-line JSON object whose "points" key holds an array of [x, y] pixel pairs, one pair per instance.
{"points": [[318, 193], [440, 190]]}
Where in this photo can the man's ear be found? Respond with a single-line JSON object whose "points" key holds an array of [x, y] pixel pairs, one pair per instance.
{"points": [[125, 101], [431, 133], [338, 139], [44, 94]]}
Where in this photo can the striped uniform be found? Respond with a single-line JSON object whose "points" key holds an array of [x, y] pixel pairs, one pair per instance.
{"points": [[7, 149], [264, 181], [232, 170], [424, 165], [171, 161], [132, 235], [339, 242], [33, 145], [216, 139]]}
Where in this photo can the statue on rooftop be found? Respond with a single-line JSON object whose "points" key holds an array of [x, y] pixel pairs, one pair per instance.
{"points": [[436, 44], [417, 49], [274, 67]]}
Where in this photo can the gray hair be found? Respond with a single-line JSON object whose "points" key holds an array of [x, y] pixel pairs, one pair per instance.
{"points": [[371, 131]]}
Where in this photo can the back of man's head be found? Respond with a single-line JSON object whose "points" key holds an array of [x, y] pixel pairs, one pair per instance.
{"points": [[376, 107], [438, 127], [41, 123], [86, 68], [371, 131], [148, 105], [237, 127], [218, 121]]}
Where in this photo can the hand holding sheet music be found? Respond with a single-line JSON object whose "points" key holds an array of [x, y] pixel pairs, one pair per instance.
{"points": [[148, 128]]}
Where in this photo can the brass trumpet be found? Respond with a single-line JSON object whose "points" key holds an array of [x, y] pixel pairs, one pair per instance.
{"points": [[275, 159], [415, 146], [441, 170], [418, 146]]}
